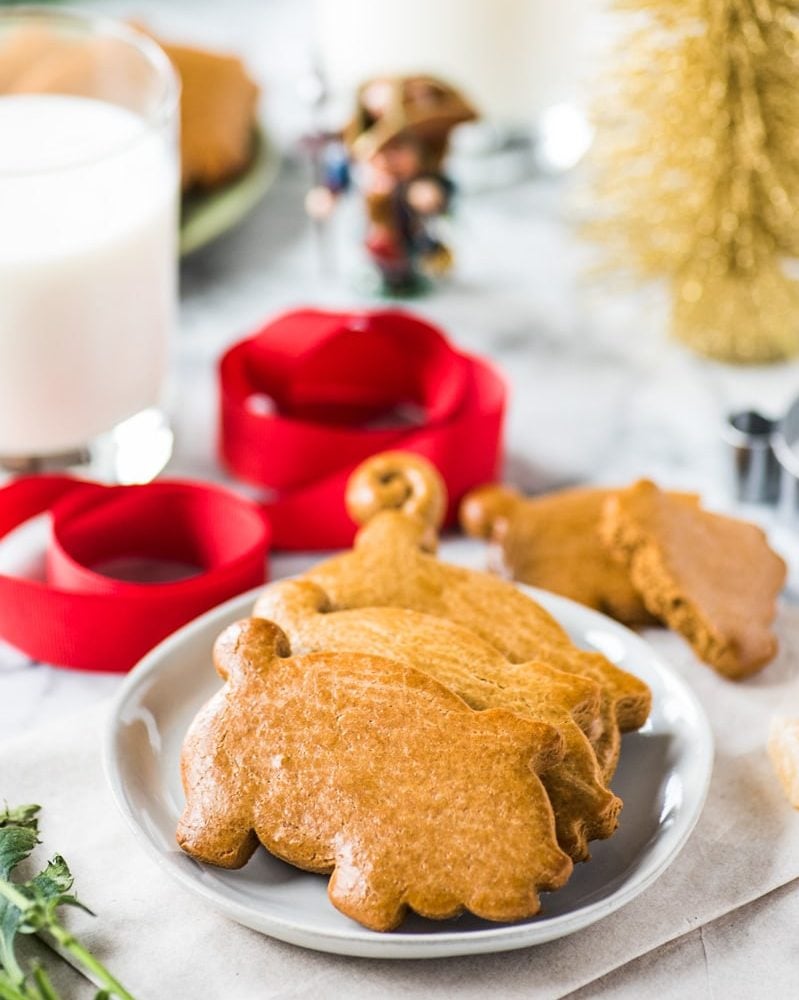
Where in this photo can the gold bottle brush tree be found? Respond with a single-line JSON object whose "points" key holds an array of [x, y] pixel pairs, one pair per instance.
{"points": [[696, 168]]}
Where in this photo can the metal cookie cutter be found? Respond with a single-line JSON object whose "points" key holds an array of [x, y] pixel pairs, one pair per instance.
{"points": [[785, 445], [756, 470]]}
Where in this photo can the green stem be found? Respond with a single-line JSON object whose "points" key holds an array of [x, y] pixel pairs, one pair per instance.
{"points": [[85, 957], [10, 991], [46, 987], [8, 959]]}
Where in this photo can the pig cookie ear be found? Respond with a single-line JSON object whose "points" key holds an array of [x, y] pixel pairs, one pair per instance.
{"points": [[400, 481], [486, 511], [291, 600], [247, 647]]}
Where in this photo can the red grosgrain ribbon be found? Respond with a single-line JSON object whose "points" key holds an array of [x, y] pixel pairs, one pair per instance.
{"points": [[314, 393], [79, 617]]}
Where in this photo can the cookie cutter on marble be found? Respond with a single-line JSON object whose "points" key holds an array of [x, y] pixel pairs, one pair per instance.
{"points": [[756, 470], [786, 450], [765, 458]]}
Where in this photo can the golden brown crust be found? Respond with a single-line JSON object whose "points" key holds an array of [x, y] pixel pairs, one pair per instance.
{"points": [[358, 766], [714, 579], [585, 809], [552, 541]]}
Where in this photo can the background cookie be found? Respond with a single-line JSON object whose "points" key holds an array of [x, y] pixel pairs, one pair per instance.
{"points": [[217, 115], [585, 809], [552, 541], [711, 578], [358, 766]]}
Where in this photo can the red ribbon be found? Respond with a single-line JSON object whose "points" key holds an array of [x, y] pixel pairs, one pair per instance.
{"points": [[303, 402], [314, 393], [81, 618]]}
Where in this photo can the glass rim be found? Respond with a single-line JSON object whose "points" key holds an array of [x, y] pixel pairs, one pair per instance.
{"points": [[101, 25]]}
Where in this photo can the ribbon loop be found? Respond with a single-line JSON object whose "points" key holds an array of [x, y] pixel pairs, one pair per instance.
{"points": [[344, 386], [81, 617]]}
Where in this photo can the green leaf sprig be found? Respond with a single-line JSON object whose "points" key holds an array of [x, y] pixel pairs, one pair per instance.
{"points": [[32, 908]]}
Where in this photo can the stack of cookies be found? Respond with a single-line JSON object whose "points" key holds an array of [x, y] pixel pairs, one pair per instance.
{"points": [[644, 556], [425, 734]]}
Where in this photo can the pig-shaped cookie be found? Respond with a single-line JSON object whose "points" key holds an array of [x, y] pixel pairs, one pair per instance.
{"points": [[585, 809], [370, 771]]}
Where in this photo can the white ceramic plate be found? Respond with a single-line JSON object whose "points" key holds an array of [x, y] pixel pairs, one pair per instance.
{"points": [[662, 777], [207, 215]]}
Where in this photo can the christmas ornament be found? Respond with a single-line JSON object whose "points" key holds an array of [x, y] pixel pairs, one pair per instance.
{"points": [[395, 144]]}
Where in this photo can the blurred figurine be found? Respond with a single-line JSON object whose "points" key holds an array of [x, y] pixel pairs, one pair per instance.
{"points": [[396, 141]]}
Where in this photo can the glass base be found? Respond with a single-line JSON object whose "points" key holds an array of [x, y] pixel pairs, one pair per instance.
{"points": [[135, 451]]}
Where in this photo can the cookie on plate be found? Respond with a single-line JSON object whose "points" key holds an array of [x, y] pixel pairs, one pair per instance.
{"points": [[393, 564], [217, 116], [585, 809], [552, 541], [714, 579], [365, 769]]}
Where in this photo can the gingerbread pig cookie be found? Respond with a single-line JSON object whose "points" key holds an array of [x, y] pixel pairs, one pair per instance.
{"points": [[714, 579], [393, 564], [552, 541], [585, 809], [366, 769]]}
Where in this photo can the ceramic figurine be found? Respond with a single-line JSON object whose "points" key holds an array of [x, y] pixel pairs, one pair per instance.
{"points": [[395, 146]]}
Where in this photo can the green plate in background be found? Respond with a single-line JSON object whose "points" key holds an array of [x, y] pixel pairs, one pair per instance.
{"points": [[208, 215]]}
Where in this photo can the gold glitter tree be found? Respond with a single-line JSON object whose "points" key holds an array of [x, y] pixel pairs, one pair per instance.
{"points": [[697, 168]]}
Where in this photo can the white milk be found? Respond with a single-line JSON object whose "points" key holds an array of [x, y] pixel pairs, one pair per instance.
{"points": [[88, 217], [513, 58]]}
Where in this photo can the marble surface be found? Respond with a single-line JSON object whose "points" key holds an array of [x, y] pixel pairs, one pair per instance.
{"points": [[598, 392]]}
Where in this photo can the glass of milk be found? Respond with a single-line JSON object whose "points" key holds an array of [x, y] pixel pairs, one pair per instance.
{"points": [[89, 190]]}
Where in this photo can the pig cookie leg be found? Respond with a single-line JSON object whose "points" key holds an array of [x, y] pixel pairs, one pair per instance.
{"points": [[215, 836], [375, 902]]}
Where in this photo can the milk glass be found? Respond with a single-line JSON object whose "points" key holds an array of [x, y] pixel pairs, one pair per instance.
{"points": [[89, 187]]}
